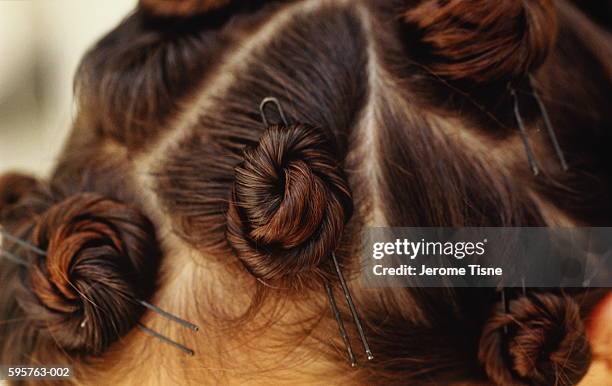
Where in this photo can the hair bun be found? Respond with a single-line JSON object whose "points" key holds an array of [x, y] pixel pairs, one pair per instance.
{"points": [[289, 203], [484, 40], [13, 186], [101, 257], [180, 8], [545, 345]]}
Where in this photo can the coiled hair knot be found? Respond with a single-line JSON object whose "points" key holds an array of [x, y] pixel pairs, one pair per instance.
{"points": [[101, 257], [484, 40], [545, 344], [289, 203]]}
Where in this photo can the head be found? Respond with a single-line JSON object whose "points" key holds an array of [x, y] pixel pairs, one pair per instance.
{"points": [[399, 113]]}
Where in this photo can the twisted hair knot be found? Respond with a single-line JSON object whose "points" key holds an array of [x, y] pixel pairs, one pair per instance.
{"points": [[484, 40], [545, 345], [101, 257], [289, 203]]}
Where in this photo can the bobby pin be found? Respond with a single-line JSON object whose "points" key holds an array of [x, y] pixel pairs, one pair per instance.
{"points": [[12, 257], [330, 293], [519, 120], [343, 334], [262, 110], [349, 301], [505, 301], [549, 127], [165, 339], [505, 308], [168, 315], [22, 243]]}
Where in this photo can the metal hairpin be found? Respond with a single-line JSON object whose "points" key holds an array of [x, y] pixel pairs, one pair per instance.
{"points": [[531, 157], [505, 307], [21, 261], [262, 111], [519, 120], [328, 288], [551, 131], [549, 128]]}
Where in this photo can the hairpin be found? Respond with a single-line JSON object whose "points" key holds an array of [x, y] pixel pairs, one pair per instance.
{"points": [[21, 261], [505, 307], [549, 128], [328, 288], [504, 300], [530, 155]]}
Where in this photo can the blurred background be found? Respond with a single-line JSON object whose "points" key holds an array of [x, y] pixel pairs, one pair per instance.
{"points": [[41, 44]]}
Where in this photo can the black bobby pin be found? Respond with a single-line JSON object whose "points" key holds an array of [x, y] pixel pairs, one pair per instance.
{"points": [[519, 120], [165, 339], [504, 301], [330, 293], [343, 334], [349, 301], [168, 315], [16, 259], [551, 131], [505, 307]]}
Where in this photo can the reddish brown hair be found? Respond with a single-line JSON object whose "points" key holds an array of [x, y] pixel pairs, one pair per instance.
{"points": [[385, 129], [484, 40], [180, 7]]}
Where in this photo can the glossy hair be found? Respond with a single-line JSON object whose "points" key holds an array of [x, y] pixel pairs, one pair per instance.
{"points": [[101, 258], [385, 128], [546, 342], [483, 40], [289, 204]]}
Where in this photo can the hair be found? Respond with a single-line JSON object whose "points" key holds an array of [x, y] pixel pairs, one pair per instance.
{"points": [[101, 258], [169, 168], [166, 8], [481, 41], [288, 204], [545, 331]]}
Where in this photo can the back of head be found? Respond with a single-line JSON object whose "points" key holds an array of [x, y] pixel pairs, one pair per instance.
{"points": [[397, 113]]}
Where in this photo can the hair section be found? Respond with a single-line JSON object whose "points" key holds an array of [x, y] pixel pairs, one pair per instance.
{"points": [[289, 204], [101, 257], [545, 344], [483, 40]]}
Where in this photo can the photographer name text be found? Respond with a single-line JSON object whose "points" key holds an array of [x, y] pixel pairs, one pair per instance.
{"points": [[403, 249]]}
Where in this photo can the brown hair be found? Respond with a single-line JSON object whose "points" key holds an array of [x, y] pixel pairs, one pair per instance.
{"points": [[101, 258], [288, 205], [180, 8], [546, 342], [483, 40], [168, 129]]}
